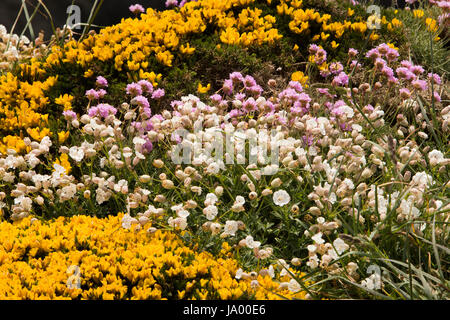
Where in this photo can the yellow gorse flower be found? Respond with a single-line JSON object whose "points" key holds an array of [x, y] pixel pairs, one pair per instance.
{"points": [[431, 25], [14, 143], [62, 136], [418, 13], [202, 89], [300, 77], [46, 260], [65, 101], [38, 134]]}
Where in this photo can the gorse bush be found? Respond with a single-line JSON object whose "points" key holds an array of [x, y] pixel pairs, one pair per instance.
{"points": [[114, 263], [324, 160]]}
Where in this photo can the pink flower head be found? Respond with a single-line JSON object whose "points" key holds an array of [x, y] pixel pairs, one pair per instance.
{"points": [[435, 77], [216, 98], [352, 52], [146, 86], [405, 73], [388, 72], [92, 94], [380, 63], [147, 146], [240, 96], [355, 64], [249, 105], [101, 93], [249, 81], [325, 73], [103, 110], [228, 86], [325, 92], [341, 79], [373, 54], [404, 93], [406, 64], [313, 48], [296, 86], [420, 85], [436, 96], [141, 101], [383, 48], [69, 115], [320, 56], [134, 89], [336, 67], [236, 77], [171, 3], [136, 8], [157, 94], [417, 70], [101, 82], [392, 55], [256, 90], [304, 99]]}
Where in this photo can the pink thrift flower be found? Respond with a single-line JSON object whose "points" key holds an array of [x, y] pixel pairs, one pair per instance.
{"points": [[171, 3], [419, 85], [404, 93], [157, 94], [352, 52], [134, 89], [146, 86], [101, 82], [136, 8], [69, 115], [92, 94], [141, 101]]}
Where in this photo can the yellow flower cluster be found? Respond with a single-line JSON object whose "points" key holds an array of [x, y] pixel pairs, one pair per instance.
{"points": [[300, 77], [249, 28], [20, 106], [14, 143], [303, 19], [130, 43], [65, 101], [46, 260]]}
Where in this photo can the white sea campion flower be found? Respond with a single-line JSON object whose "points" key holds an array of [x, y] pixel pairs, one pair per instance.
{"points": [[313, 262], [373, 282], [183, 213], [210, 212], [178, 222], [294, 286], [240, 200], [215, 228], [211, 199], [281, 198], [436, 157], [349, 183], [339, 247], [251, 243], [213, 168], [422, 179], [318, 238], [127, 221], [231, 227], [76, 153]]}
